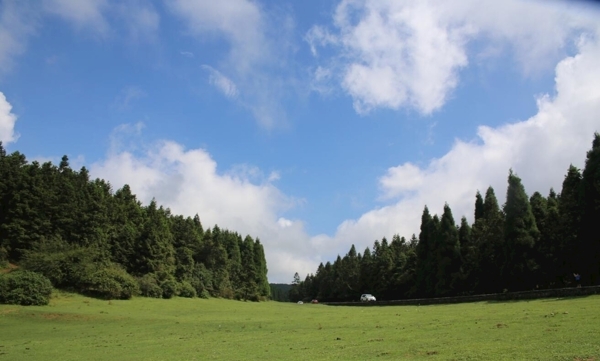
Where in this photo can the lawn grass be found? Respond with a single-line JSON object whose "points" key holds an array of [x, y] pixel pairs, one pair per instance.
{"points": [[74, 327]]}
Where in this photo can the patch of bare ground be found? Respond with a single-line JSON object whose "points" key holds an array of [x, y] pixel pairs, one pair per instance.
{"points": [[11, 267]]}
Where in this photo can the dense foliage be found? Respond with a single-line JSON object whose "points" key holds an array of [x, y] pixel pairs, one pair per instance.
{"points": [[82, 236], [25, 288], [529, 243]]}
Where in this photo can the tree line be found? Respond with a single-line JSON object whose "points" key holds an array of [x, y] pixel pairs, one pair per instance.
{"points": [[528, 243], [84, 236]]}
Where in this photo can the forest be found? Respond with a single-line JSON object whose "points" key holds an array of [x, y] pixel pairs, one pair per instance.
{"points": [[59, 227], [529, 243]]}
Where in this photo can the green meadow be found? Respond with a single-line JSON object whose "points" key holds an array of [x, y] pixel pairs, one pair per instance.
{"points": [[74, 327]]}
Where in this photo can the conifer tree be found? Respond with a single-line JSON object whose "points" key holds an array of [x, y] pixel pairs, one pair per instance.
{"points": [[521, 234], [488, 238], [447, 255], [589, 250]]}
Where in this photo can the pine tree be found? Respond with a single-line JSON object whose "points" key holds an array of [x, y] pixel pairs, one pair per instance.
{"points": [[570, 210], [479, 209], [589, 250], [426, 268], [261, 270], [488, 238], [447, 255], [154, 249], [521, 234]]}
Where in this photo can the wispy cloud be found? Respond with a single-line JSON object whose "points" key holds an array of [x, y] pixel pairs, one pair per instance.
{"points": [[188, 54], [18, 21], [221, 82], [127, 96], [257, 46]]}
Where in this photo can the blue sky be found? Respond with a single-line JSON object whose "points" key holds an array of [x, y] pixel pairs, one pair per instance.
{"points": [[312, 125]]}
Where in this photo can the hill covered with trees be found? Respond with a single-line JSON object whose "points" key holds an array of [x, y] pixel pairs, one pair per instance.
{"points": [[528, 243], [83, 236]]}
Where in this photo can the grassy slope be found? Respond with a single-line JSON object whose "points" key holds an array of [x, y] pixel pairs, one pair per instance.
{"points": [[76, 328]]}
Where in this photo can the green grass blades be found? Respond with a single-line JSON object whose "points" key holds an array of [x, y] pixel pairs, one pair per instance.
{"points": [[73, 327]]}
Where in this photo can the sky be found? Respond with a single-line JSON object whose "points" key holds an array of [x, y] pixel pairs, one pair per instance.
{"points": [[311, 125]]}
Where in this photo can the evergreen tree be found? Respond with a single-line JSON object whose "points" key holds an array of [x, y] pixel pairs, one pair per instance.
{"points": [[447, 255], [469, 255], [260, 262], [488, 239], [589, 245], [479, 209], [250, 286], [570, 211], [521, 233], [426, 268], [154, 249]]}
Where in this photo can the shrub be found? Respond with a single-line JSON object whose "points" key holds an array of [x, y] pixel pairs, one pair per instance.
{"points": [[25, 288], [111, 283], [169, 288], [65, 265], [204, 294], [186, 290], [149, 286]]}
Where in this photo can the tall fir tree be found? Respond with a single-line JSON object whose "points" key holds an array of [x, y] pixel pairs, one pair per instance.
{"points": [[520, 234], [589, 250], [448, 259]]}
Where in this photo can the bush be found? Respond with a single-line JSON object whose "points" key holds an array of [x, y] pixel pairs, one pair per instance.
{"points": [[186, 290], [204, 294], [169, 288], [149, 286], [65, 265], [111, 283], [25, 288]]}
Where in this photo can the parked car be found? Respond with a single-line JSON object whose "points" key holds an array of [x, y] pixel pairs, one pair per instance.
{"points": [[367, 297]]}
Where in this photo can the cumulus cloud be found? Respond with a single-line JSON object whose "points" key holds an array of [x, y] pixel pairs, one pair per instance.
{"points": [[539, 149], [394, 54], [188, 182], [7, 122], [221, 82]]}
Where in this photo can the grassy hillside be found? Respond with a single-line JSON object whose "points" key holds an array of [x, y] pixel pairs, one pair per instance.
{"points": [[75, 328]]}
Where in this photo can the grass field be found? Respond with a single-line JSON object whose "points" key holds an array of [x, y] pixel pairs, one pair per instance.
{"points": [[73, 327]]}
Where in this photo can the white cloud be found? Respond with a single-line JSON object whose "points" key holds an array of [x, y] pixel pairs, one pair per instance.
{"points": [[17, 22], [394, 54], [538, 149], [7, 122], [188, 182], [221, 82]]}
